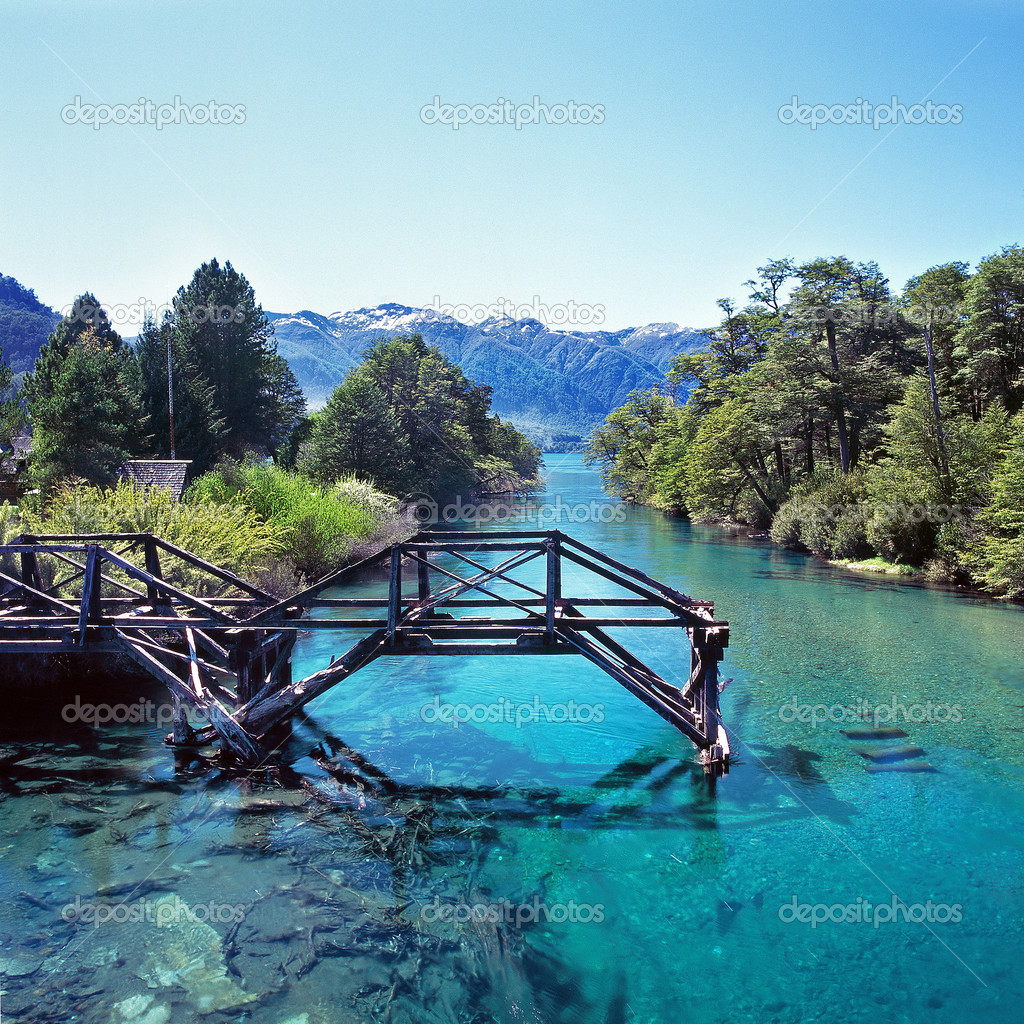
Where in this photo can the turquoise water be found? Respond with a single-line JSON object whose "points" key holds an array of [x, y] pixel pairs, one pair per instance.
{"points": [[636, 891]]}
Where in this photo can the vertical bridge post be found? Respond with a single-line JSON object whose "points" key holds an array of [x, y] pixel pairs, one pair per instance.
{"points": [[91, 584], [394, 592], [553, 588], [706, 651]]}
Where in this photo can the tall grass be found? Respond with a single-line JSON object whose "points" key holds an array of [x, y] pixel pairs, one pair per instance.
{"points": [[318, 525], [227, 534]]}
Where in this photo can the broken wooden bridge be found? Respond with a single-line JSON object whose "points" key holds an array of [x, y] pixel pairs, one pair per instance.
{"points": [[223, 646]]}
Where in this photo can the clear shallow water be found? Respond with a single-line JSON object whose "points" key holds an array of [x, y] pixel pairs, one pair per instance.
{"points": [[677, 890]]}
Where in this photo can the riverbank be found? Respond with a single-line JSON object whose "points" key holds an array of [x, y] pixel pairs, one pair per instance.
{"points": [[874, 566]]}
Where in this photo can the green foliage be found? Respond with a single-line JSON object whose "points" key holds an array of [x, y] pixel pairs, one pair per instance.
{"points": [[827, 514], [358, 432], [83, 400], [232, 391], [228, 535], [623, 445], [410, 420], [199, 428], [1002, 559], [990, 344], [11, 413], [853, 420], [317, 525]]}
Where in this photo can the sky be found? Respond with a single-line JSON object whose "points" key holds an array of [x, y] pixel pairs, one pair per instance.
{"points": [[688, 159]]}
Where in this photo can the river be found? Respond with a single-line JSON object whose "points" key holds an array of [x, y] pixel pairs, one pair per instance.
{"points": [[625, 887]]}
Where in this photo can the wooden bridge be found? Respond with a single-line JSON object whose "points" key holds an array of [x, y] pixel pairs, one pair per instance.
{"points": [[223, 646]]}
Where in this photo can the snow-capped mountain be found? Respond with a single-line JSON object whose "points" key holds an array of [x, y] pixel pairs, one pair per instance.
{"points": [[554, 384]]}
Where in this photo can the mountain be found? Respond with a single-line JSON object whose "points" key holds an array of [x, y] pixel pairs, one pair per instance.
{"points": [[25, 323], [556, 385]]}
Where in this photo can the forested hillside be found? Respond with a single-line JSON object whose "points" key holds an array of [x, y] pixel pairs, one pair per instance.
{"points": [[556, 384], [25, 323], [851, 420]]}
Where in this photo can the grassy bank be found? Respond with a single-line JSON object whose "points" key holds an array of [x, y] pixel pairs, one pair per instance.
{"points": [[276, 528]]}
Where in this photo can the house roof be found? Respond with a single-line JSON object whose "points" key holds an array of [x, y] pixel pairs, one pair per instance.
{"points": [[171, 474], [19, 451]]}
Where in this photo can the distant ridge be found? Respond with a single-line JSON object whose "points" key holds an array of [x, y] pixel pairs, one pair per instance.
{"points": [[25, 324], [555, 384]]}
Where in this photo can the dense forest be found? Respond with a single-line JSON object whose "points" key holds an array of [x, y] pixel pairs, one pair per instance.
{"points": [[409, 418], [849, 420], [25, 324], [276, 491]]}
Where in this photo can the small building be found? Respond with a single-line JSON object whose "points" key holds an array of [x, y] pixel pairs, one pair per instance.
{"points": [[169, 474], [14, 467]]}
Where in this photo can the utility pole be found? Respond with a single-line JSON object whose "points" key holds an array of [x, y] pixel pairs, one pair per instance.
{"points": [[170, 392]]}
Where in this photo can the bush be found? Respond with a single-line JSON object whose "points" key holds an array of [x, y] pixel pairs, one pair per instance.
{"points": [[228, 535], [826, 515], [317, 525]]}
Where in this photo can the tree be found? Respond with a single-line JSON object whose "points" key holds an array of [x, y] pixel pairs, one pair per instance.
{"points": [[358, 432], [410, 418], [84, 402], [11, 412], [1003, 547], [622, 446], [199, 428], [283, 401], [233, 392], [990, 343], [933, 300]]}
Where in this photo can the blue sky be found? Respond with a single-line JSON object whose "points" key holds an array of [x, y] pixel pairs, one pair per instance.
{"points": [[334, 194]]}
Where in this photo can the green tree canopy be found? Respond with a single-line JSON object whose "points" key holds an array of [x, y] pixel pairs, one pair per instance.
{"points": [[84, 401]]}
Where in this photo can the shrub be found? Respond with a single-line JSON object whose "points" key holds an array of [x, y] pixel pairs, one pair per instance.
{"points": [[228, 535], [316, 524], [825, 515]]}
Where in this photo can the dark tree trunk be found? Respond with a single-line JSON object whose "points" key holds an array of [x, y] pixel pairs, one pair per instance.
{"points": [[844, 442]]}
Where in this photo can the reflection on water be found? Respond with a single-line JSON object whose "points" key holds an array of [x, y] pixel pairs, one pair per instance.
{"points": [[397, 868]]}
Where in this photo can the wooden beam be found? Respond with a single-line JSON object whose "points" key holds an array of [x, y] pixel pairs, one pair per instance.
{"points": [[259, 717], [169, 588], [230, 732], [214, 570]]}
